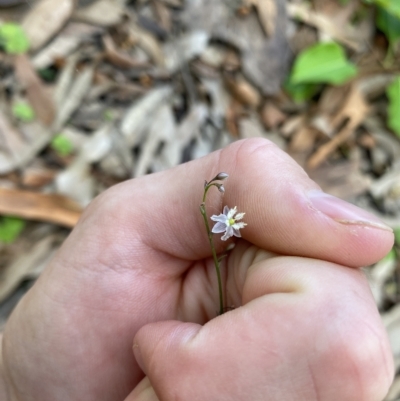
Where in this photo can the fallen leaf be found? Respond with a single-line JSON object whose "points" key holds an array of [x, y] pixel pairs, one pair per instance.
{"points": [[271, 115], [342, 33], [50, 208], [243, 91], [102, 12], [45, 19], [120, 59], [38, 95], [19, 148], [355, 109], [138, 116], [74, 97], [267, 13], [182, 50], [64, 43]]}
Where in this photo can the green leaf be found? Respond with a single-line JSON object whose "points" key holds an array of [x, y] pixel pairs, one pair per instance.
{"points": [[10, 228], [391, 6], [389, 25], [390, 256], [393, 93], [62, 145], [23, 111], [397, 235], [322, 63], [300, 93], [13, 38]]}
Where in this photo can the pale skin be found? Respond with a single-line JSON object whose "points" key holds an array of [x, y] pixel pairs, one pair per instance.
{"points": [[127, 309]]}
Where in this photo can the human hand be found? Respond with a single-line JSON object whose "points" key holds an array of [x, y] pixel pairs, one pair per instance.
{"points": [[138, 264]]}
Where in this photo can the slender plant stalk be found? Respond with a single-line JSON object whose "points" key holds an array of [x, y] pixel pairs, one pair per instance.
{"points": [[211, 240]]}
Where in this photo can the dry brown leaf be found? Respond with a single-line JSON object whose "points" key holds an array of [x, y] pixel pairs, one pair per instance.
{"points": [[271, 116], [65, 43], [45, 19], [102, 12], [148, 43], [37, 177], [74, 97], [38, 95], [267, 12], [162, 129], [303, 140], [50, 208], [342, 33], [180, 51], [355, 109], [118, 58], [19, 148], [232, 115], [243, 91], [163, 14], [138, 116]]}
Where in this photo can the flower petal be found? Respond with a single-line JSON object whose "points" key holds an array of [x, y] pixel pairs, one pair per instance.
{"points": [[231, 213], [238, 226], [220, 217], [236, 232], [226, 210], [239, 216], [219, 228], [228, 234]]}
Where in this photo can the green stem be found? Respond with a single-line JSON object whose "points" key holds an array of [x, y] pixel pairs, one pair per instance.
{"points": [[214, 253]]}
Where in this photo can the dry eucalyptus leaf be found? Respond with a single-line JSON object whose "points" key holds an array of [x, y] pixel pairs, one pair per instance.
{"points": [[66, 42], [101, 12], [18, 148], [162, 128], [76, 182], [243, 91], [38, 95], [74, 97], [148, 43], [180, 51], [51, 208], [120, 59], [138, 116], [45, 19]]}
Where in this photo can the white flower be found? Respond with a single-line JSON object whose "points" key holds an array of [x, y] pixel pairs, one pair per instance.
{"points": [[227, 222]]}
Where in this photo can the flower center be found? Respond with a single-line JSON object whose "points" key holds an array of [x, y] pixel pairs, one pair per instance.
{"points": [[232, 222]]}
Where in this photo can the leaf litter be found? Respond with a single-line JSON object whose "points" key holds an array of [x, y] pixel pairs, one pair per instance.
{"points": [[94, 92]]}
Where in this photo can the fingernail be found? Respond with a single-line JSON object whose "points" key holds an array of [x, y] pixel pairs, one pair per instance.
{"points": [[344, 212]]}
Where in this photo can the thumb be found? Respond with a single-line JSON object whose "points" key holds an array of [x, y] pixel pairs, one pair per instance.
{"points": [[155, 346]]}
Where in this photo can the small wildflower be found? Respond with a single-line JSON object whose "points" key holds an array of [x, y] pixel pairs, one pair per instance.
{"points": [[227, 223]]}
